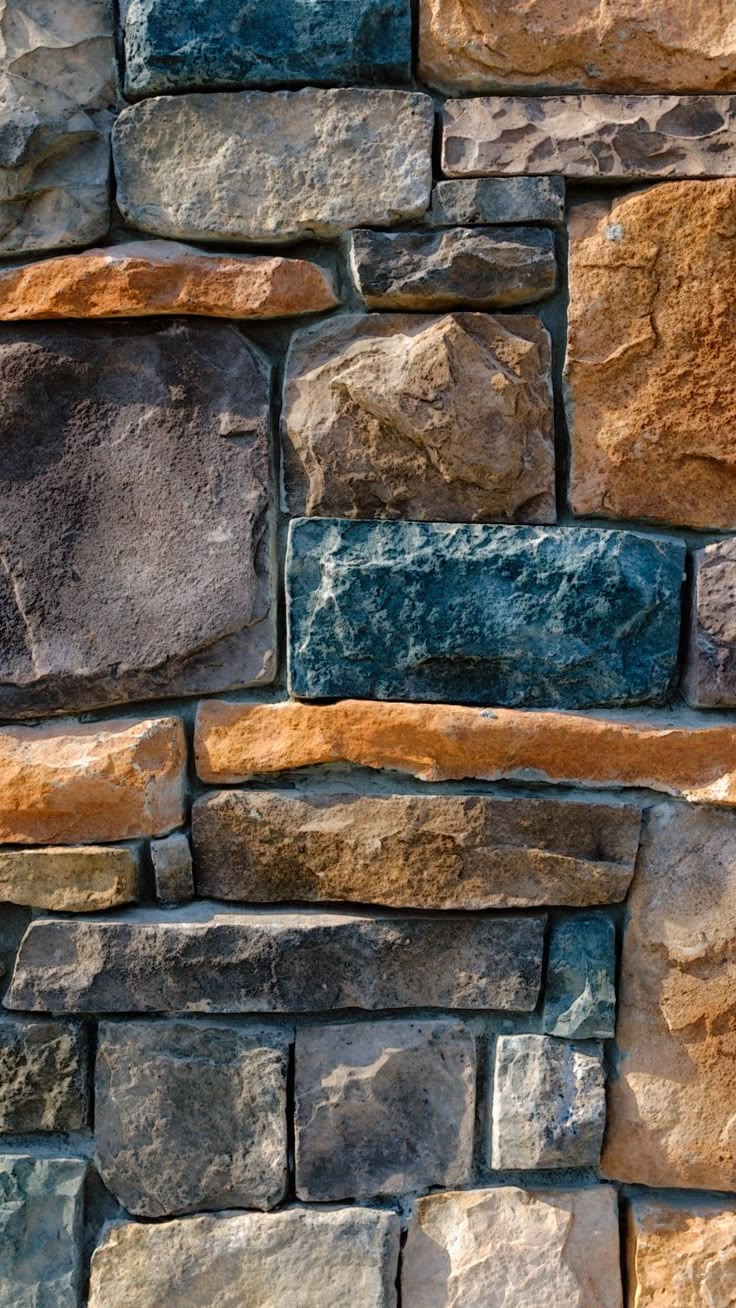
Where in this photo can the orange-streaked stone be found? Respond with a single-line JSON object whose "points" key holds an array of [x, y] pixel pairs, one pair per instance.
{"points": [[681, 1254]]}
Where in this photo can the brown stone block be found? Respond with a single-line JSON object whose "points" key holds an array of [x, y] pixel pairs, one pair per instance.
{"points": [[710, 672]]}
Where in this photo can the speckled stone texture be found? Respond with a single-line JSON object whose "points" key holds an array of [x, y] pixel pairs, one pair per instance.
{"points": [[172, 868], [41, 1216], [549, 1103], [473, 201], [710, 672], [43, 1074], [84, 879], [681, 1254], [580, 990]]}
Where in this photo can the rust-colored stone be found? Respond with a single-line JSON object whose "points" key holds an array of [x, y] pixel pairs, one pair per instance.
{"points": [[681, 1255]]}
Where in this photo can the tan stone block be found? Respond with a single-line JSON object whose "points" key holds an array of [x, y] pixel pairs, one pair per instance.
{"points": [[681, 1254], [61, 880]]}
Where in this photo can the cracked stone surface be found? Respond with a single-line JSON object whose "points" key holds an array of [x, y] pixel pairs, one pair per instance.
{"points": [[580, 990], [549, 1103], [679, 1255], [709, 680], [77, 880], [43, 1074], [472, 201], [41, 1218]]}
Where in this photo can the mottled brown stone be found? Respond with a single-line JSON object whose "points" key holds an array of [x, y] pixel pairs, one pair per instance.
{"points": [[81, 880], [710, 671], [681, 1255], [43, 1075]]}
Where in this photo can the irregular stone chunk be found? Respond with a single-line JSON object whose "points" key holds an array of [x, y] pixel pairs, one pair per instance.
{"points": [[303, 1257], [681, 1254], [710, 671], [602, 136], [671, 1107], [41, 1231], [499, 200], [172, 868], [43, 1075], [650, 351], [191, 1116], [259, 166], [383, 1108], [504, 1247], [94, 781], [432, 611], [549, 1103], [580, 991], [274, 962], [412, 851], [181, 45], [81, 880], [183, 463], [425, 418]]}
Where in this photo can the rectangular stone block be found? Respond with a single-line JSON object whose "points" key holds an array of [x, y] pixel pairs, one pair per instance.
{"points": [[280, 166], [680, 1255], [43, 1075], [535, 617], [580, 988], [473, 201], [412, 851], [172, 869], [41, 1217], [81, 880], [549, 1103], [150, 960], [709, 679]]}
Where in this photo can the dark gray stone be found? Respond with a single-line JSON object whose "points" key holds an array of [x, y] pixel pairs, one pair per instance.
{"points": [[43, 1075], [41, 1216], [499, 200], [709, 680], [580, 991], [172, 868]]}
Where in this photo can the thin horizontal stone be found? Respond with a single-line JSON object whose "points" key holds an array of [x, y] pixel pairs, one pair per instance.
{"points": [[494, 200], [68, 880]]}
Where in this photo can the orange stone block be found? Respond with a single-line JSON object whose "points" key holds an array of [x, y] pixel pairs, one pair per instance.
{"points": [[681, 1255]]}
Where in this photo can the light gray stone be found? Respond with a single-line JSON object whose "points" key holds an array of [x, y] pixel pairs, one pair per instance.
{"points": [[41, 1231], [43, 1075], [471, 201], [549, 1103], [172, 868]]}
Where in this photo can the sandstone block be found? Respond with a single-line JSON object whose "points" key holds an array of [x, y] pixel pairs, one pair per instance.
{"points": [[172, 869], [671, 1106], [498, 200], [150, 960], [681, 1254], [549, 1103], [190, 1116], [41, 1231], [303, 1257], [489, 615], [279, 166], [94, 781], [383, 1108], [43, 1075], [78, 880], [580, 990], [710, 671], [183, 463], [606, 137], [411, 851], [426, 418], [506, 1247]]}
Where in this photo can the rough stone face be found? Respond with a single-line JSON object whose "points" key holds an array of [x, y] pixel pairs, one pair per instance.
{"points": [[498, 200], [448, 269], [40, 1231], [95, 781], [671, 1107], [606, 137], [330, 1257], [549, 1103], [183, 464], [650, 350], [151, 961], [504, 1247], [426, 418], [273, 166], [143, 278], [191, 1116], [681, 1254], [432, 611], [412, 851], [580, 989], [183, 45], [81, 880], [172, 869], [43, 1075], [710, 671], [383, 1108]]}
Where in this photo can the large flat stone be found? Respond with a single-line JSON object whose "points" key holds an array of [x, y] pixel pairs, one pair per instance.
{"points": [[191, 1116], [395, 415], [498, 200], [260, 166], [671, 1105], [580, 988], [303, 1257], [41, 1213], [605, 137], [411, 851], [183, 463], [510, 1248], [61, 880], [96, 781], [710, 671], [43, 1075], [150, 960], [182, 45], [549, 1103], [681, 1254], [383, 1108], [529, 616]]}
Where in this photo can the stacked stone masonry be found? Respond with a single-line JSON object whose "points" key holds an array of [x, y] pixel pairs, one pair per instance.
{"points": [[367, 654]]}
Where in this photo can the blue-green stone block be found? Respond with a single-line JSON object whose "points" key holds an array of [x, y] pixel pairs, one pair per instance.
{"points": [[580, 995]]}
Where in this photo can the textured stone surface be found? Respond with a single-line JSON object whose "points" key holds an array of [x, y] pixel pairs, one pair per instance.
{"points": [[152, 960], [40, 1231], [427, 418], [490, 615], [681, 1254], [383, 1108], [190, 1116], [412, 851], [447, 269], [591, 136], [142, 278], [580, 990], [183, 45], [650, 351], [43, 1075], [671, 1106], [330, 1257], [172, 868], [510, 1248], [61, 880], [499, 200], [94, 781], [549, 1103], [273, 166], [183, 463], [710, 671]]}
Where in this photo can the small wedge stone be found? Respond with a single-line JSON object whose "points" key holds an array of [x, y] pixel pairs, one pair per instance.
{"points": [[580, 991], [172, 869]]}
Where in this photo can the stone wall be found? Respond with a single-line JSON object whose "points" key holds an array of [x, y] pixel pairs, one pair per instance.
{"points": [[367, 654]]}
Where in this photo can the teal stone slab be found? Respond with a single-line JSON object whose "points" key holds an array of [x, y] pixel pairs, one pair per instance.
{"points": [[580, 995]]}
